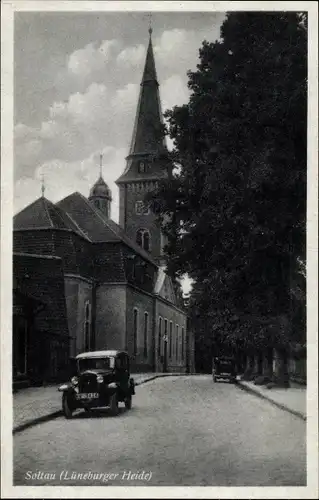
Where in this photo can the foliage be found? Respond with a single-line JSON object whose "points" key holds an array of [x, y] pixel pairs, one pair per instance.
{"points": [[234, 211]]}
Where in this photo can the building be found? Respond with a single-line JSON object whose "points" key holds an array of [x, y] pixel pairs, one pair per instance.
{"points": [[116, 292], [40, 332]]}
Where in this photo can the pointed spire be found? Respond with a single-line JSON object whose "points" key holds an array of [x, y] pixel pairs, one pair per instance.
{"points": [[149, 73], [101, 161], [147, 132], [150, 30]]}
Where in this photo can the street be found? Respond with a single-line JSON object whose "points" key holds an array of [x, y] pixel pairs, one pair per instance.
{"points": [[181, 431]]}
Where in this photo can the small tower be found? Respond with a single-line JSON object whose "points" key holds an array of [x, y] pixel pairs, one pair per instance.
{"points": [[100, 194], [146, 164]]}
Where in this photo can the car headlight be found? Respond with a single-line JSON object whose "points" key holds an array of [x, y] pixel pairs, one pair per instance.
{"points": [[74, 380], [99, 379]]}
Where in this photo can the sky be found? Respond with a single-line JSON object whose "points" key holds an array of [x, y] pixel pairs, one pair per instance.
{"points": [[76, 83]]}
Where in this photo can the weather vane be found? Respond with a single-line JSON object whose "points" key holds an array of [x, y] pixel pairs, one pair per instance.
{"points": [[150, 30], [101, 160], [42, 185]]}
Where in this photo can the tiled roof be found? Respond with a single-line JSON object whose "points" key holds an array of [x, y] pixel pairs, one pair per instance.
{"points": [[96, 225], [43, 214], [83, 212]]}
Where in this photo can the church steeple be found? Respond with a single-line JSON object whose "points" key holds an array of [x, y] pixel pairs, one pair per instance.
{"points": [[147, 137], [146, 163]]}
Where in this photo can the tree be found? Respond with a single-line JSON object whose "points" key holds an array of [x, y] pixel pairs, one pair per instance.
{"points": [[234, 211]]}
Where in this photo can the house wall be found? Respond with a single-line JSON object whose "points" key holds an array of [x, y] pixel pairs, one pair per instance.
{"points": [[110, 323], [176, 355], [142, 359], [77, 292]]}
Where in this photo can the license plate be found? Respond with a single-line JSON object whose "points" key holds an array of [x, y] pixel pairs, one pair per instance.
{"points": [[89, 395]]}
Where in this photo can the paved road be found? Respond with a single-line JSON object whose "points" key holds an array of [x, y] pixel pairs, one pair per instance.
{"points": [[184, 431]]}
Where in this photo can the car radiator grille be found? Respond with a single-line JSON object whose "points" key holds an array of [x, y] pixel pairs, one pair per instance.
{"points": [[88, 384]]}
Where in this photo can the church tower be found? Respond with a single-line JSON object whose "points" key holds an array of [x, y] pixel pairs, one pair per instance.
{"points": [[146, 164], [100, 195]]}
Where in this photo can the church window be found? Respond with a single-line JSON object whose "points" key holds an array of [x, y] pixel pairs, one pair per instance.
{"points": [[170, 340], [183, 340], [143, 239], [176, 340], [139, 237], [141, 167], [135, 320], [146, 242], [159, 337], [87, 326], [145, 333]]}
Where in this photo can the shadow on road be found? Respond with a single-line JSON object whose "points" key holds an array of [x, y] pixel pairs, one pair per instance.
{"points": [[99, 413]]}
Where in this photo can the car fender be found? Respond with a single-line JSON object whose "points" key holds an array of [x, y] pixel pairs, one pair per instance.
{"points": [[67, 387], [112, 385]]}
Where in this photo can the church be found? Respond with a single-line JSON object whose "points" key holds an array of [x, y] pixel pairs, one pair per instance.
{"points": [[83, 282]]}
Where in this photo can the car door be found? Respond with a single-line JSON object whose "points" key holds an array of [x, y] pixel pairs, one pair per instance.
{"points": [[123, 372]]}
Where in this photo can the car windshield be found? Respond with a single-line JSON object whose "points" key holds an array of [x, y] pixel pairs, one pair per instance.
{"points": [[95, 364]]}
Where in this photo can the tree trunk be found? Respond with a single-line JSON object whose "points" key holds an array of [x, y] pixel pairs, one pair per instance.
{"points": [[250, 362], [281, 374], [268, 363]]}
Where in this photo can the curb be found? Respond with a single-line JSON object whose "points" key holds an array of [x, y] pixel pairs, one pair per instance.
{"points": [[38, 420], [58, 413], [275, 403]]}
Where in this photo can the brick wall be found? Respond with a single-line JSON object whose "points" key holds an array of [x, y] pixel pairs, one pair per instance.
{"points": [[176, 358], [143, 303], [77, 292], [38, 242], [110, 326]]}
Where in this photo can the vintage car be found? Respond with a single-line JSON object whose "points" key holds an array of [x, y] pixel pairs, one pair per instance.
{"points": [[224, 367], [100, 379]]}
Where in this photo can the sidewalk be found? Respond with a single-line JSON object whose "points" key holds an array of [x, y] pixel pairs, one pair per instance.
{"points": [[38, 404], [293, 399]]}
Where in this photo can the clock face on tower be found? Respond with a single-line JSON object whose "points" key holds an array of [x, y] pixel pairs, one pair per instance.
{"points": [[141, 208]]}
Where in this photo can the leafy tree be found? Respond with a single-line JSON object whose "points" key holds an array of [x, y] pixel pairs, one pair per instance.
{"points": [[234, 211]]}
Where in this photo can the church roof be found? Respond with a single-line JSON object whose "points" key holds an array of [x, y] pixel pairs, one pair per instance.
{"points": [[147, 138], [96, 225], [43, 214], [101, 189]]}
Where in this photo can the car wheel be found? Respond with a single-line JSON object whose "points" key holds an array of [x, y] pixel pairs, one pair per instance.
{"points": [[67, 410], [114, 404], [128, 402]]}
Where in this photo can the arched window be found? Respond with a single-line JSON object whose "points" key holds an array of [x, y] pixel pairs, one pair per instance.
{"points": [[145, 333], [141, 167], [170, 340], [135, 319], [87, 326], [143, 239], [183, 340], [146, 242], [176, 340], [159, 345]]}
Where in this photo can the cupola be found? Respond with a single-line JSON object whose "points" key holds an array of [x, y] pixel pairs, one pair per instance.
{"points": [[100, 194]]}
